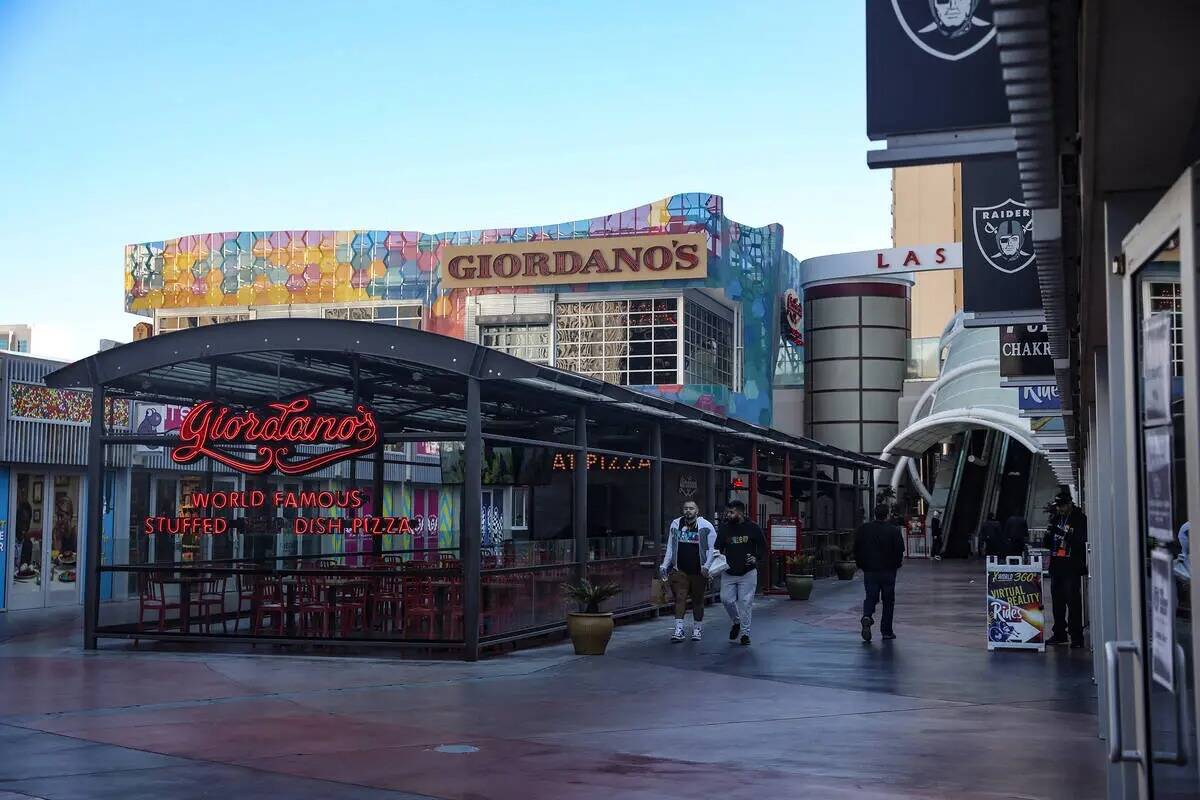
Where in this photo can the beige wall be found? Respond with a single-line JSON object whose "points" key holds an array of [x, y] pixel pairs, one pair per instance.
{"points": [[926, 209]]}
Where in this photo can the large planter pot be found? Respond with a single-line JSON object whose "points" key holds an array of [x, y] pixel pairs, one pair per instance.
{"points": [[845, 570], [799, 587], [589, 632]]}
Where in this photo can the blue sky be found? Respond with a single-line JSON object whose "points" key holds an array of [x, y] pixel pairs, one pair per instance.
{"points": [[131, 121]]}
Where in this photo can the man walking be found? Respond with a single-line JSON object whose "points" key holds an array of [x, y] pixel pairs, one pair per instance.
{"points": [[879, 552], [743, 544], [1016, 533], [690, 545], [992, 535], [1066, 539]]}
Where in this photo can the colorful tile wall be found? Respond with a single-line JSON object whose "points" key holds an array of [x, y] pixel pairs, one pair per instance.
{"points": [[34, 401]]}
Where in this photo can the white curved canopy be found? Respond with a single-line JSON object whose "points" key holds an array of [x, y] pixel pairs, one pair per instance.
{"points": [[929, 431]]}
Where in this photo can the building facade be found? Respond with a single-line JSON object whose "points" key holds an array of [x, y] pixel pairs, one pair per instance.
{"points": [[620, 299]]}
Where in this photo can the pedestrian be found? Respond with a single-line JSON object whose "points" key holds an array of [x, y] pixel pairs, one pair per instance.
{"points": [[1066, 539], [742, 543], [935, 525], [879, 552], [690, 546], [992, 535], [1016, 534]]}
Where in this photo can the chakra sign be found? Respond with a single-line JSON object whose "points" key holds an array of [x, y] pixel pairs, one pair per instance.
{"points": [[210, 430]]}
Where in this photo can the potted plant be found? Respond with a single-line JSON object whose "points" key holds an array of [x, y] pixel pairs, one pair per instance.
{"points": [[799, 576], [843, 563], [589, 627]]}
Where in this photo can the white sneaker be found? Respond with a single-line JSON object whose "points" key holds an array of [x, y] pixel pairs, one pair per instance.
{"points": [[695, 633], [677, 636]]}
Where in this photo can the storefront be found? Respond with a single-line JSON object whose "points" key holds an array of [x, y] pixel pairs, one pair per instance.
{"points": [[363, 484]]}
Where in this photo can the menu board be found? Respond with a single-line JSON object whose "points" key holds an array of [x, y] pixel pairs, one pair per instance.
{"points": [[1015, 615], [784, 534]]}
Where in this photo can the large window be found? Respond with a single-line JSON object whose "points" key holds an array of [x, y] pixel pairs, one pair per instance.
{"points": [[403, 316], [184, 321], [707, 346], [628, 342], [530, 342], [1167, 296]]}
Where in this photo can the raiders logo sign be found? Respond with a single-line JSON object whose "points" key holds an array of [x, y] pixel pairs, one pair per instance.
{"points": [[1004, 234], [948, 29]]}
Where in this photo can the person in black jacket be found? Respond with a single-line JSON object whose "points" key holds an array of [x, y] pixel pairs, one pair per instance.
{"points": [[993, 537], [879, 552], [1066, 539], [1016, 534], [743, 545], [935, 527]]}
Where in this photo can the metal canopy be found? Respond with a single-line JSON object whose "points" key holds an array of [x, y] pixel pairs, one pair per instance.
{"points": [[414, 380]]}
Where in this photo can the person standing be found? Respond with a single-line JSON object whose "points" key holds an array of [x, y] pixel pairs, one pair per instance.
{"points": [[743, 545], [690, 544], [879, 553], [1066, 539], [1016, 534], [993, 537], [935, 526]]}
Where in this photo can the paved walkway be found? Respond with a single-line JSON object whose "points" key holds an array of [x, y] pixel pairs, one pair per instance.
{"points": [[808, 709]]}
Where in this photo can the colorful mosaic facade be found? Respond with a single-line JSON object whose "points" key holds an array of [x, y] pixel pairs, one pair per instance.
{"points": [[34, 401], [256, 268]]}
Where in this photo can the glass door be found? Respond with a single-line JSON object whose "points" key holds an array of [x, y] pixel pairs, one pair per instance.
{"points": [[1160, 321], [61, 557], [27, 573]]}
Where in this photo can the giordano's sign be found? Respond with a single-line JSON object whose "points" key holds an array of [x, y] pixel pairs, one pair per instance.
{"points": [[653, 257]]}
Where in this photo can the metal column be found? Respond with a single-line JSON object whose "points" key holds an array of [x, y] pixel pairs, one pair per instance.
{"points": [[470, 541], [377, 481], [579, 495], [710, 458], [657, 527], [95, 519]]}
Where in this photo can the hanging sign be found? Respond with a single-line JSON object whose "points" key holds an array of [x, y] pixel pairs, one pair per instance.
{"points": [[1043, 397], [999, 266], [1025, 351], [1015, 615], [210, 430], [932, 66]]}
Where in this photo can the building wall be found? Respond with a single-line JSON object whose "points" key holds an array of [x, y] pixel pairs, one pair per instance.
{"points": [[281, 269], [926, 205]]}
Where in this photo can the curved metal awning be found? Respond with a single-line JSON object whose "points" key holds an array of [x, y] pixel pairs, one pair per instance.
{"points": [[408, 375], [927, 432]]}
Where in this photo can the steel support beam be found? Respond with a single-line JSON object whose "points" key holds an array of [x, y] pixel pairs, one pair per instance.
{"points": [[580, 493], [472, 519], [95, 520]]}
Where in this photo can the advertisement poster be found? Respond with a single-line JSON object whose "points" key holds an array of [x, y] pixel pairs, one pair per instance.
{"points": [[156, 419], [1015, 614], [1156, 369], [1159, 489], [1162, 619]]}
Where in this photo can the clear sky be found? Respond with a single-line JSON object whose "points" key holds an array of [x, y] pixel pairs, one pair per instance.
{"points": [[127, 121]]}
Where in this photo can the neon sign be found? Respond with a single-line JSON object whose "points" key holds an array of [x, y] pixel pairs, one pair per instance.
{"points": [[346, 502], [208, 428]]}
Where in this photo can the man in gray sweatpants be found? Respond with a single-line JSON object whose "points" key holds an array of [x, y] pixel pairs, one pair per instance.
{"points": [[743, 544]]}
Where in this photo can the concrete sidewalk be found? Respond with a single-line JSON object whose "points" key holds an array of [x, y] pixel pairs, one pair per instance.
{"points": [[808, 708]]}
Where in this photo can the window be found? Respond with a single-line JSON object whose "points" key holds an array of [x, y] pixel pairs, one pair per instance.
{"points": [[530, 342], [403, 316], [627, 342], [186, 321], [520, 508], [707, 346]]}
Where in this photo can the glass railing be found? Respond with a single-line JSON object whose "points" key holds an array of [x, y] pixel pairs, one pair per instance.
{"points": [[923, 360]]}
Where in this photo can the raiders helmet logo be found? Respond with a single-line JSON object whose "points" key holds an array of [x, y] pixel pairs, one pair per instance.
{"points": [[1004, 234], [946, 29]]}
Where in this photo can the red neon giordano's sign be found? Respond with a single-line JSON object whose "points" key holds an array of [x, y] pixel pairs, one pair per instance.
{"points": [[209, 426]]}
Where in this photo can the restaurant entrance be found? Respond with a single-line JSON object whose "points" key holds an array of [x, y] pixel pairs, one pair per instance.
{"points": [[48, 507]]}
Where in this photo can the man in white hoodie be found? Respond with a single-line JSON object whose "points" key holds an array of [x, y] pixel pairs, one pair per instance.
{"points": [[690, 547]]}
